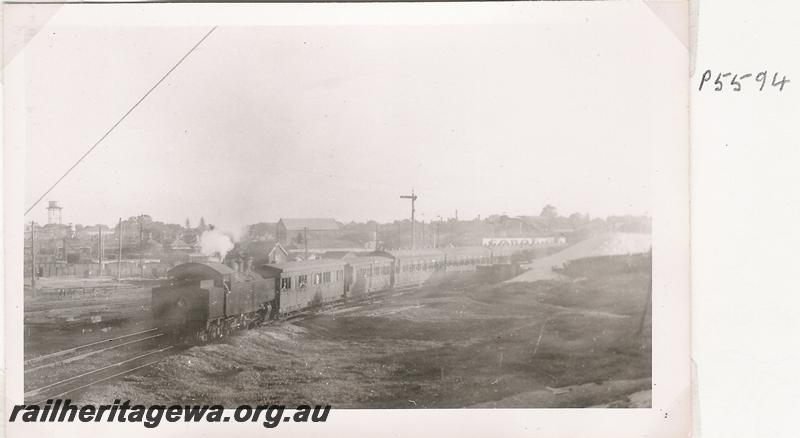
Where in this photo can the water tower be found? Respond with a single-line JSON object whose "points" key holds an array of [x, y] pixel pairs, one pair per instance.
{"points": [[53, 213]]}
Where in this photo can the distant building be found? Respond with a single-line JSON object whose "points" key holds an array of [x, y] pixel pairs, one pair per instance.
{"points": [[181, 246], [278, 254], [524, 241], [317, 231], [53, 213], [507, 241]]}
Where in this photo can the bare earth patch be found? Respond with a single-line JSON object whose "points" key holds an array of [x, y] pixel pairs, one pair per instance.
{"points": [[559, 343]]}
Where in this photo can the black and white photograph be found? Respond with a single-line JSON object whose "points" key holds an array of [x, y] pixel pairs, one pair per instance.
{"points": [[406, 210]]}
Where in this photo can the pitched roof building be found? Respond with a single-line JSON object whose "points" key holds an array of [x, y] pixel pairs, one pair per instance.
{"points": [[316, 230]]}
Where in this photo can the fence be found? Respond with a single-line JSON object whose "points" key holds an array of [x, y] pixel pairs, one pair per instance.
{"points": [[87, 270]]}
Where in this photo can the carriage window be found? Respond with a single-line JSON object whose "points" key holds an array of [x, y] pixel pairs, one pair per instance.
{"points": [[326, 277], [302, 280], [317, 278], [286, 283]]}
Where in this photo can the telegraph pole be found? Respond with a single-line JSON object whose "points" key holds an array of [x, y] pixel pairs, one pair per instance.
{"points": [[305, 241], [100, 249], [33, 263], [141, 244], [413, 199], [436, 236], [376, 236], [119, 255]]}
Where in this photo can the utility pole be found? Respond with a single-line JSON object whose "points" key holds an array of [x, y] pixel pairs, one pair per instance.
{"points": [[100, 249], [119, 255], [305, 241], [141, 244], [33, 263], [413, 199], [376, 236], [647, 306], [436, 236]]}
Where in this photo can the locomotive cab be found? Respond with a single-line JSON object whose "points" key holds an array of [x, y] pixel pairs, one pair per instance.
{"points": [[193, 294], [209, 300]]}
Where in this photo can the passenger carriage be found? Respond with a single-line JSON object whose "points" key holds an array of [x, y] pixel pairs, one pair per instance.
{"points": [[414, 267], [466, 258], [367, 274], [307, 283]]}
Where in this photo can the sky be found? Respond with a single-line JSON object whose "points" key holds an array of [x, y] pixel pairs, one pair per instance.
{"points": [[266, 122]]}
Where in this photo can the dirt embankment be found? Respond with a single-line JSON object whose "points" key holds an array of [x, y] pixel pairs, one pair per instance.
{"points": [[574, 343], [608, 244]]}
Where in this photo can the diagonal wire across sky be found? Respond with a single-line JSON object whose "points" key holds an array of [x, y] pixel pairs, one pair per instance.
{"points": [[121, 119]]}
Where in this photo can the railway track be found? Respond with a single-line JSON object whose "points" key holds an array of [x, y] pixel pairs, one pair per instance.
{"points": [[74, 384], [71, 354], [91, 363]]}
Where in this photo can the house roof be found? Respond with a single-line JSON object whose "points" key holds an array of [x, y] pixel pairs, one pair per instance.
{"points": [[278, 247], [179, 243], [312, 224], [306, 265]]}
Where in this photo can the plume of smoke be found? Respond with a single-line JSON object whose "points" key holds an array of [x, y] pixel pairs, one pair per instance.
{"points": [[215, 241]]}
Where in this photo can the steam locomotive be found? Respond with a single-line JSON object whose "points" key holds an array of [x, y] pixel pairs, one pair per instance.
{"points": [[199, 302]]}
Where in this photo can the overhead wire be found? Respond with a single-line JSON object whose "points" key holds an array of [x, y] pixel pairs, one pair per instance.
{"points": [[121, 119]]}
